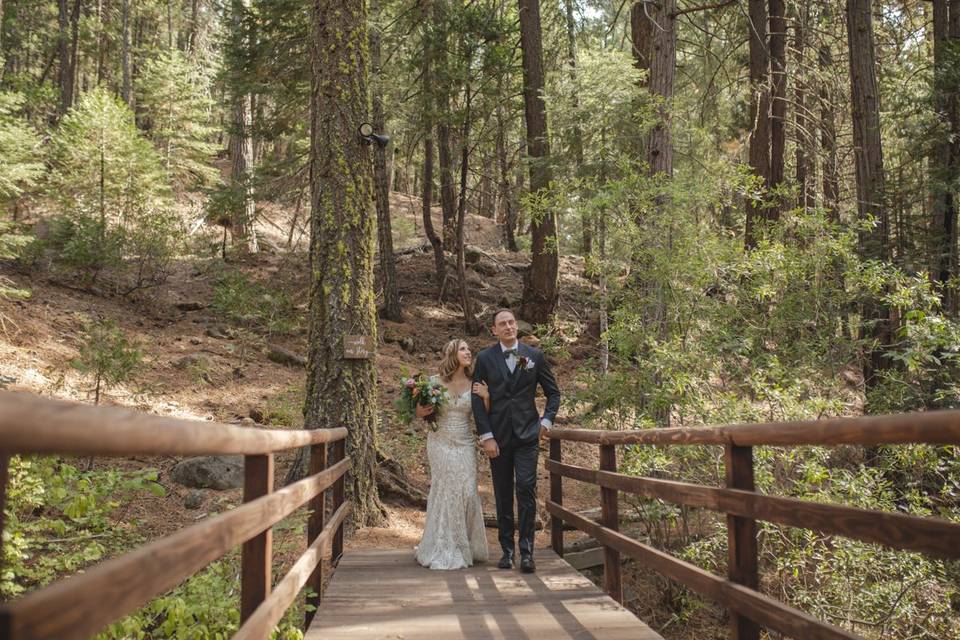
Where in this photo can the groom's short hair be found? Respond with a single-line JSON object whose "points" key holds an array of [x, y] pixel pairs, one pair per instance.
{"points": [[493, 318]]}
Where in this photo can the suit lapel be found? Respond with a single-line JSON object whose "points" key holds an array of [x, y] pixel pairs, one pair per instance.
{"points": [[497, 354], [518, 370]]}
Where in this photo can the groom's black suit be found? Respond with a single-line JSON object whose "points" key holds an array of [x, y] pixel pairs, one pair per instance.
{"points": [[514, 422]]}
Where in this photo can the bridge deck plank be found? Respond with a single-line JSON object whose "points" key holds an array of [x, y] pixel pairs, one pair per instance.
{"points": [[380, 595]]}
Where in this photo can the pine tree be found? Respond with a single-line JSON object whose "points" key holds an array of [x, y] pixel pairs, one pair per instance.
{"points": [[174, 98]]}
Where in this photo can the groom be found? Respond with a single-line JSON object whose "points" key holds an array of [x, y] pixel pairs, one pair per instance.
{"points": [[508, 433]]}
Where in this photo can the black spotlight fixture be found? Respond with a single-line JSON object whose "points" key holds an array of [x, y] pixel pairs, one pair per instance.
{"points": [[367, 135]]}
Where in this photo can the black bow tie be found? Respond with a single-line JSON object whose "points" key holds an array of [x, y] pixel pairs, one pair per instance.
{"points": [[509, 352]]}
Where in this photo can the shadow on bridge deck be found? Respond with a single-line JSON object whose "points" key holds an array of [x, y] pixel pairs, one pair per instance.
{"points": [[387, 595]]}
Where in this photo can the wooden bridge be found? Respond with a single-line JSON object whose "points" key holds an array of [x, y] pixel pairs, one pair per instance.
{"points": [[383, 594]]}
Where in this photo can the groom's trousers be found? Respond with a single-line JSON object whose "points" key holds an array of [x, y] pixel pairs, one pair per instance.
{"points": [[516, 466]]}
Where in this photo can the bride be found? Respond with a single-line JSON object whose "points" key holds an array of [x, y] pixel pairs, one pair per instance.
{"points": [[453, 537]]}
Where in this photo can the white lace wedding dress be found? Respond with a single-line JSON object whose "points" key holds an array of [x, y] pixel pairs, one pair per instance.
{"points": [[453, 537]]}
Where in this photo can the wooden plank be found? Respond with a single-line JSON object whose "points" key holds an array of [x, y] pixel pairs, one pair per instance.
{"points": [[339, 454], [556, 495], [318, 462], [256, 555], [31, 424], [262, 621], [742, 551], [586, 559], [386, 594], [932, 427], [87, 602], [935, 536], [765, 610], [610, 518]]}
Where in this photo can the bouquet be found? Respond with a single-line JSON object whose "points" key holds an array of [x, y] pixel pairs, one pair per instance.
{"points": [[420, 390]]}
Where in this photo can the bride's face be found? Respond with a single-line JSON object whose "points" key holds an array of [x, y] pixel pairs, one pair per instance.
{"points": [[464, 355]]}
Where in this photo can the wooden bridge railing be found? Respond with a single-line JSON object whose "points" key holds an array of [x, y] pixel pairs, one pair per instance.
{"points": [[82, 605], [750, 610]]}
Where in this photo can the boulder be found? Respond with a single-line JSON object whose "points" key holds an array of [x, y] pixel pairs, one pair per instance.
{"points": [[193, 499], [192, 360], [524, 328], [209, 472]]}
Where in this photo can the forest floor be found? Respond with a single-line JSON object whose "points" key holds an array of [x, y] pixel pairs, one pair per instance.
{"points": [[197, 367]]}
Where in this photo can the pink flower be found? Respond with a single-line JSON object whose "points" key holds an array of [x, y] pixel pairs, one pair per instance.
{"points": [[410, 383]]}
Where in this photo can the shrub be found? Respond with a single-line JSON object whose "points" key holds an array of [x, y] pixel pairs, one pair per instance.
{"points": [[106, 356]]}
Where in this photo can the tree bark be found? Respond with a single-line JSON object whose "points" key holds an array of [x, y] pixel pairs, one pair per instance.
{"points": [[663, 64], [944, 161], [241, 145], [67, 47], [342, 393], [805, 141], [388, 269], [576, 132], [868, 155], [127, 87], [778, 106], [828, 136], [507, 209], [759, 117], [540, 284], [471, 324], [428, 80]]}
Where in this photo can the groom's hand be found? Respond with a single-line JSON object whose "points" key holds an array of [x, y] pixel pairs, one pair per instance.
{"points": [[491, 448]]}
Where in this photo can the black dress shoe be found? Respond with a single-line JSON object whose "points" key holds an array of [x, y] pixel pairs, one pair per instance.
{"points": [[506, 561], [527, 565]]}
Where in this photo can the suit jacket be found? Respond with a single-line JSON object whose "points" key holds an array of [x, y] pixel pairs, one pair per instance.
{"points": [[513, 410]]}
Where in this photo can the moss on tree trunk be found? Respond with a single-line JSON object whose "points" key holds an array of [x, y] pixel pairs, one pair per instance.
{"points": [[342, 392]]}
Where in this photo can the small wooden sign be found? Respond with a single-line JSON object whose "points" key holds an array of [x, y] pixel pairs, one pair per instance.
{"points": [[357, 347]]}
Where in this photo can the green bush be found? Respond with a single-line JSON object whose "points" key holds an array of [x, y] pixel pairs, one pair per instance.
{"points": [[107, 356], [113, 197], [238, 299]]}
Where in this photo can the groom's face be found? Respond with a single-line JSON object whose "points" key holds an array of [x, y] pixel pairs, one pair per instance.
{"points": [[505, 327]]}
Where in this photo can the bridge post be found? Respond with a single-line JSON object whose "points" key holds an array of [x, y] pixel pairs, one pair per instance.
{"points": [[556, 496], [257, 553], [339, 453], [318, 462], [610, 516], [741, 539]]}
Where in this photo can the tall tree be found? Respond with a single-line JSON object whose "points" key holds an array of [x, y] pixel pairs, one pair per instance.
{"points": [[342, 392], [868, 160], [576, 132], [67, 45], [829, 168], [944, 159], [663, 65], [805, 150], [241, 136], [427, 81], [381, 187], [127, 86], [778, 102], [540, 284], [759, 116]]}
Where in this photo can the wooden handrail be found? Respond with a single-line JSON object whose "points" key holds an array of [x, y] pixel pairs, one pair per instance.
{"points": [[743, 507], [934, 427], [79, 606], [30, 424]]}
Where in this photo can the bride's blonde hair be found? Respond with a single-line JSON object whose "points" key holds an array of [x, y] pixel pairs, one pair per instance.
{"points": [[450, 361]]}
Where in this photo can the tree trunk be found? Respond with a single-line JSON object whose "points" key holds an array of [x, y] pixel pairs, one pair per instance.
{"points": [[508, 211], [67, 46], [759, 117], [778, 107], [868, 155], [127, 89], [471, 324], [194, 25], [576, 133], [388, 269], [540, 284], [663, 64], [440, 265], [241, 146], [342, 393], [805, 141], [944, 159], [829, 168]]}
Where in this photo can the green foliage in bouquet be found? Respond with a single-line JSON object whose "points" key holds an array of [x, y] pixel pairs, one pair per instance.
{"points": [[419, 390]]}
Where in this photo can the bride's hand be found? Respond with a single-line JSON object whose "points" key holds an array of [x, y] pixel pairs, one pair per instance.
{"points": [[423, 410], [480, 389]]}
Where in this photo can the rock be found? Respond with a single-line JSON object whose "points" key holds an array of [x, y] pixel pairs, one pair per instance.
{"points": [[407, 345], [247, 421], [218, 332], [195, 341], [190, 305], [192, 360], [209, 472], [5, 381], [280, 355], [256, 415], [487, 266], [193, 499], [524, 328]]}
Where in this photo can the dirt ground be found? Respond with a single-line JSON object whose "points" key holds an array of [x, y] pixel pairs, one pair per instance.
{"points": [[176, 322]]}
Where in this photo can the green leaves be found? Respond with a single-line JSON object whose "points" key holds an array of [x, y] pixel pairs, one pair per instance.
{"points": [[107, 356]]}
